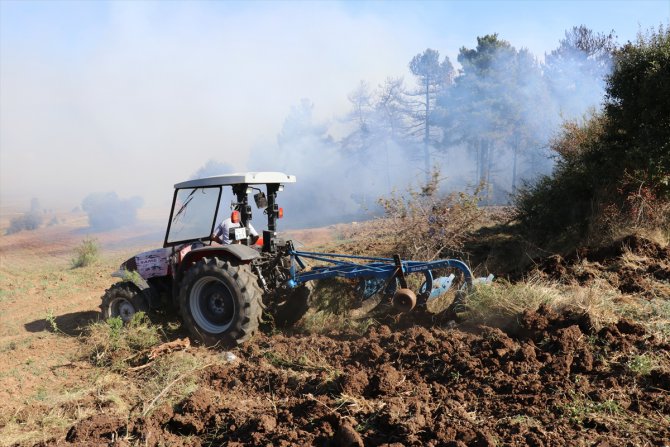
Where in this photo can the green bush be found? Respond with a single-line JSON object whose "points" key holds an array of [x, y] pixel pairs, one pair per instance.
{"points": [[613, 170], [85, 254]]}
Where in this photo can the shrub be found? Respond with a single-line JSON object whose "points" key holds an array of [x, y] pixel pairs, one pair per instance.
{"points": [[28, 221], [424, 224], [85, 254], [115, 344]]}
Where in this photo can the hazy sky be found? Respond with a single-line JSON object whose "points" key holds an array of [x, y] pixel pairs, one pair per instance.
{"points": [[134, 96]]}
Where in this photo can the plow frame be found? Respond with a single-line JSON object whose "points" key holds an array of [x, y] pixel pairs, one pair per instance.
{"points": [[380, 271]]}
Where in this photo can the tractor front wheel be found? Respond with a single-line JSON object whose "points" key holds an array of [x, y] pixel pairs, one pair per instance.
{"points": [[220, 302], [122, 300]]}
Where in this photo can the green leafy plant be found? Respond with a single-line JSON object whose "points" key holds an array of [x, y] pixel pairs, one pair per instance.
{"points": [[115, 344], [86, 253], [641, 365], [51, 321]]}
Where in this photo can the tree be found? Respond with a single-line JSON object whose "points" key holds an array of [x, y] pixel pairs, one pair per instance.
{"points": [[638, 111], [576, 70], [479, 102], [361, 116], [432, 76], [497, 111], [612, 171], [391, 107]]}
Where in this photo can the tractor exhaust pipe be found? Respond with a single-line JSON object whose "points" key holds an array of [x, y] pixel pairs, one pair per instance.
{"points": [[404, 300]]}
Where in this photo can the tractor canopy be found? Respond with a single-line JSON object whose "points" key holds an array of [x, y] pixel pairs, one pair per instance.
{"points": [[195, 204]]}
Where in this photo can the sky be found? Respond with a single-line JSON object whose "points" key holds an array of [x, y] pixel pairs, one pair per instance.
{"points": [[134, 96]]}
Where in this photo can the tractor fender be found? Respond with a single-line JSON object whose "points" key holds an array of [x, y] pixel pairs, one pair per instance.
{"points": [[242, 253], [137, 280]]}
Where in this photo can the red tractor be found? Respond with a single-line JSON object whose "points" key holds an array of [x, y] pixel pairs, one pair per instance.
{"points": [[220, 291]]}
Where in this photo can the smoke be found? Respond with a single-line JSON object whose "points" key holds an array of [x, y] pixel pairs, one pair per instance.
{"points": [[212, 168], [494, 124], [148, 92], [106, 211], [333, 184]]}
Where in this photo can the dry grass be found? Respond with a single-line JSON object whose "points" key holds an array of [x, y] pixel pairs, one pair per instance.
{"points": [[331, 309], [501, 303]]}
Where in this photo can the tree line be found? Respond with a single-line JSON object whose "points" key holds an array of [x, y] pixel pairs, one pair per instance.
{"points": [[490, 121]]}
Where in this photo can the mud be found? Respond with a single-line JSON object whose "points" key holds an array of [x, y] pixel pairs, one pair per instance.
{"points": [[554, 382]]}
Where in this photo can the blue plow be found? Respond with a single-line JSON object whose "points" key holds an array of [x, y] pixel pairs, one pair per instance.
{"points": [[381, 275]]}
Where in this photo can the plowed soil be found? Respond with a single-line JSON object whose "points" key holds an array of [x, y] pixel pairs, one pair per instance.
{"points": [[554, 382]]}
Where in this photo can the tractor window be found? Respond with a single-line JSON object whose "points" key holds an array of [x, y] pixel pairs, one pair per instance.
{"points": [[193, 214]]}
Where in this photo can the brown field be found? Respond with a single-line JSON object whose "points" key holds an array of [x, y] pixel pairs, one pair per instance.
{"points": [[575, 354]]}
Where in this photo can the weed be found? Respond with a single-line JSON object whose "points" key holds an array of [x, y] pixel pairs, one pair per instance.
{"points": [[357, 404], [581, 408], [85, 254], [643, 364], [51, 321], [331, 309], [115, 344], [521, 419], [499, 303], [132, 276], [41, 394], [170, 379], [424, 224]]}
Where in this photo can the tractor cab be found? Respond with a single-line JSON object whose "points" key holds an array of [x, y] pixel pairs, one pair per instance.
{"points": [[195, 207]]}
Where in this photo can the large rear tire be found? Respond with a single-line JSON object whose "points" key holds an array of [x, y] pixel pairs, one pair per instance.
{"points": [[123, 300], [220, 302]]}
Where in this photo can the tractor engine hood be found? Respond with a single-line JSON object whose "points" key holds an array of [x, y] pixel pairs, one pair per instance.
{"points": [[148, 264]]}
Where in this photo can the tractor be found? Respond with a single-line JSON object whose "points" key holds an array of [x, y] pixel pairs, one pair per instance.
{"points": [[221, 291]]}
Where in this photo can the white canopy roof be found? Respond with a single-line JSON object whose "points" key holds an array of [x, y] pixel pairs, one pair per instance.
{"points": [[249, 178]]}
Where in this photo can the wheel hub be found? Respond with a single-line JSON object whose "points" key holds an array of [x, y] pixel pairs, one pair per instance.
{"points": [[124, 309], [212, 305], [217, 304]]}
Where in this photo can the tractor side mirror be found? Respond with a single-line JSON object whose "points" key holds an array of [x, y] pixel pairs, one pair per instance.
{"points": [[261, 200]]}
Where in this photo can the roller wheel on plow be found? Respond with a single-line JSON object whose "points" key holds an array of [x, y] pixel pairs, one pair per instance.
{"points": [[220, 302]]}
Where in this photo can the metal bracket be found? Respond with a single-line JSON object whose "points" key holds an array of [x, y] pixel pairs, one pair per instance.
{"points": [[399, 273]]}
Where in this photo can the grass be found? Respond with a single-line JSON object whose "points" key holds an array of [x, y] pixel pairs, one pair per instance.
{"points": [[581, 408], [52, 412], [307, 362], [642, 364], [117, 348], [170, 379], [332, 303], [115, 345]]}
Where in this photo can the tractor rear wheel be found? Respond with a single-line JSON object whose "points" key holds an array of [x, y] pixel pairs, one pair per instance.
{"points": [[294, 307], [122, 300], [220, 302]]}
